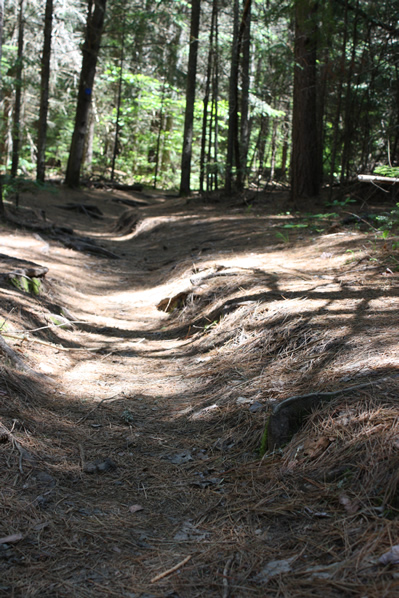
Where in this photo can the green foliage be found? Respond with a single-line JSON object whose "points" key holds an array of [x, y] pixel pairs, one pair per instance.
{"points": [[388, 222], [260, 107], [153, 39], [26, 284], [151, 110], [297, 225], [20, 184], [388, 171], [341, 203], [284, 237]]}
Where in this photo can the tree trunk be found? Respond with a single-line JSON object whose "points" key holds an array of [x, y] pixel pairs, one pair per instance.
{"points": [[119, 101], [91, 47], [232, 136], [395, 146], [348, 128], [190, 99], [215, 99], [245, 43], [1, 45], [44, 93], [273, 150], [205, 103], [284, 154], [305, 172], [160, 130], [339, 102], [89, 140], [261, 145], [1, 35], [18, 93]]}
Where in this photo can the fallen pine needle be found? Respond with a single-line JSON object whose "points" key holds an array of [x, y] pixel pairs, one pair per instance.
{"points": [[172, 570]]}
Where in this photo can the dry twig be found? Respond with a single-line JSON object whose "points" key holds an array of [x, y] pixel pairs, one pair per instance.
{"points": [[171, 570]]}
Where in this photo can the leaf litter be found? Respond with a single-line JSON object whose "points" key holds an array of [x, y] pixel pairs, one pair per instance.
{"points": [[188, 507]]}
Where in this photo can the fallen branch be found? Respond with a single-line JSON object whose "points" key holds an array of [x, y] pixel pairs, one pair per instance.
{"points": [[226, 590], [172, 570], [372, 178], [27, 338], [7, 435], [11, 539]]}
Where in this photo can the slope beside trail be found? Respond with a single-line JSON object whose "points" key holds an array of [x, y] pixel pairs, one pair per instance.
{"points": [[131, 466]]}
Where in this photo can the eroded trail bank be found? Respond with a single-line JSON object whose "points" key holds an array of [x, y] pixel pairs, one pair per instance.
{"points": [[131, 467]]}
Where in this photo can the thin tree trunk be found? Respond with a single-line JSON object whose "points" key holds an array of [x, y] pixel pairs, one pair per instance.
{"points": [[284, 154], [348, 101], [91, 47], [119, 100], [1, 34], [166, 154], [1, 87], [305, 171], [44, 93], [395, 146], [190, 99], [215, 99], [273, 150], [339, 102], [261, 145], [245, 43], [160, 128], [232, 136], [206, 102], [18, 93], [89, 139]]}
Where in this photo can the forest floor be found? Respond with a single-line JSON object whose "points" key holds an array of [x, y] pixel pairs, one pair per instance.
{"points": [[130, 462]]}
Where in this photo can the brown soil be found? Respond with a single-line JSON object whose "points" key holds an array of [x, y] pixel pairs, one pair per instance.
{"points": [[130, 464]]}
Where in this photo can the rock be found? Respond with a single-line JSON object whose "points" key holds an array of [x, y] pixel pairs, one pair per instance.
{"points": [[100, 466]]}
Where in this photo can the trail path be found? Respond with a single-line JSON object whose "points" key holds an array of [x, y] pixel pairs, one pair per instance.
{"points": [[145, 479]]}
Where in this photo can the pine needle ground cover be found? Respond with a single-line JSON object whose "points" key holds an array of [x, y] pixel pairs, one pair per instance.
{"points": [[130, 450]]}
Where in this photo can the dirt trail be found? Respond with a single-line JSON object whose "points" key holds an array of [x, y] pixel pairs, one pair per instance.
{"points": [[141, 474]]}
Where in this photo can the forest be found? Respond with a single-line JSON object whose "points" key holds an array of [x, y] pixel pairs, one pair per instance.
{"points": [[199, 292], [200, 95]]}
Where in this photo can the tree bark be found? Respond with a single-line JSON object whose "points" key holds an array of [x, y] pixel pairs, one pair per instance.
{"points": [[339, 102], [349, 115], [119, 101], [214, 180], [44, 93], [89, 139], [305, 172], [245, 43], [232, 136], [160, 130], [1, 45], [18, 93], [190, 99], [209, 73], [91, 47]]}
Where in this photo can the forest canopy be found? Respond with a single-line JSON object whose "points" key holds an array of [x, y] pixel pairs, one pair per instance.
{"points": [[301, 92]]}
